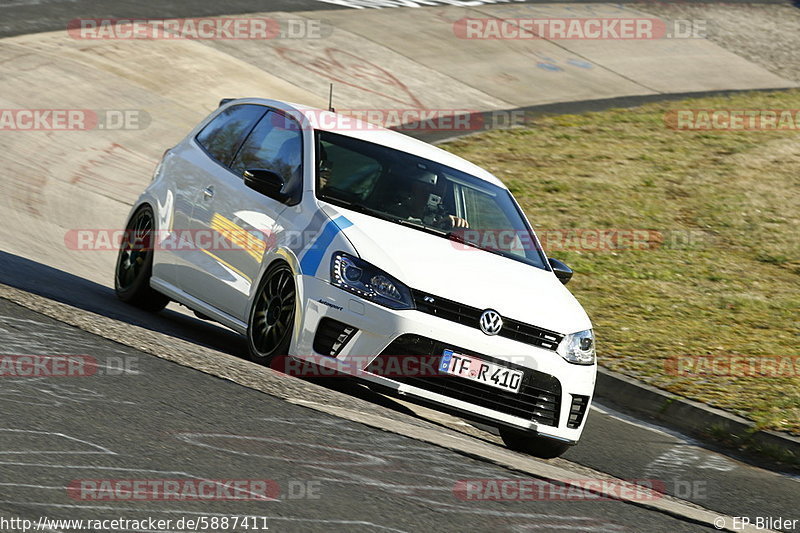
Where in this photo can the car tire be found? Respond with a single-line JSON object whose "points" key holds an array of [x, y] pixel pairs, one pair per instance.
{"points": [[532, 444], [272, 315], [135, 264]]}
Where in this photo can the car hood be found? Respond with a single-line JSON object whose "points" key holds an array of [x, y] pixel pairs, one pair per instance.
{"points": [[464, 274]]}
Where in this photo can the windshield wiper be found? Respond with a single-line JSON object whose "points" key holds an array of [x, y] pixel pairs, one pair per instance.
{"points": [[354, 206], [421, 227], [384, 216], [457, 236]]}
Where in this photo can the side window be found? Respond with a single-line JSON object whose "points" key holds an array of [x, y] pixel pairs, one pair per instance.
{"points": [[347, 171], [222, 136], [485, 214], [276, 143]]}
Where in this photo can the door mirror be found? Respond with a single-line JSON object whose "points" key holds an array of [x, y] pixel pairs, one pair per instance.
{"points": [[561, 270], [266, 182]]}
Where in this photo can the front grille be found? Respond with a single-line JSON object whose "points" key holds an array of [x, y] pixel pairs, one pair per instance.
{"points": [[539, 398], [577, 411], [332, 336], [470, 316]]}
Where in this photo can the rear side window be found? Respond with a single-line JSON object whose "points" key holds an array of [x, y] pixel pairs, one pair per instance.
{"points": [[222, 136], [276, 144]]}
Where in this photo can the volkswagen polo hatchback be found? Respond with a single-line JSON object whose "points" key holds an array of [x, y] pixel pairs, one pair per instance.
{"points": [[330, 240]]}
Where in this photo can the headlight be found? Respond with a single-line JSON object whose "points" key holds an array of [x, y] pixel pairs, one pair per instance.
{"points": [[361, 278], [578, 348]]}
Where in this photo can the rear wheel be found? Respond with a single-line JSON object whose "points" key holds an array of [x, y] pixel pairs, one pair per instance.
{"points": [[269, 329], [532, 444], [135, 264]]}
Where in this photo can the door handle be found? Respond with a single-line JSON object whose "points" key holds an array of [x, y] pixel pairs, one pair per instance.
{"points": [[208, 192]]}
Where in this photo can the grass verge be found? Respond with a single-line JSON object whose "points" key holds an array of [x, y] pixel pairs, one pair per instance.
{"points": [[719, 274]]}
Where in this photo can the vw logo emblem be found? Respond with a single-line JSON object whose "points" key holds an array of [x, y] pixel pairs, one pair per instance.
{"points": [[491, 322]]}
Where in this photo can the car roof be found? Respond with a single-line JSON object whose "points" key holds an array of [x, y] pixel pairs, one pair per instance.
{"points": [[359, 129]]}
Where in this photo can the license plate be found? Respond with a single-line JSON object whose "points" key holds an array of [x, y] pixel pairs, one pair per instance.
{"points": [[474, 369]]}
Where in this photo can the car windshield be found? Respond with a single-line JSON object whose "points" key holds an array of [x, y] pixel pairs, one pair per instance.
{"points": [[424, 195]]}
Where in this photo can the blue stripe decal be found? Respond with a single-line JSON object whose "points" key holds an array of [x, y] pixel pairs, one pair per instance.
{"points": [[313, 256]]}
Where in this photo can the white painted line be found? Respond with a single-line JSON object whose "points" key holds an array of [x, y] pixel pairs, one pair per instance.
{"points": [[508, 459], [101, 449], [608, 411]]}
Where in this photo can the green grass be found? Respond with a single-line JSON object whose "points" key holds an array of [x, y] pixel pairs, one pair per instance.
{"points": [[722, 278]]}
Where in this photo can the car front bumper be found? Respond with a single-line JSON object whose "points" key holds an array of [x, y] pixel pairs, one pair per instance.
{"points": [[378, 327]]}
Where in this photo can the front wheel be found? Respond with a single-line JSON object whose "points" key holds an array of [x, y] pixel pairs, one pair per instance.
{"points": [[532, 444], [271, 322], [135, 264]]}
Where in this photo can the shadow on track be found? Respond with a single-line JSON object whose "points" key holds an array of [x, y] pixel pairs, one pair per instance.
{"points": [[66, 288], [55, 284]]}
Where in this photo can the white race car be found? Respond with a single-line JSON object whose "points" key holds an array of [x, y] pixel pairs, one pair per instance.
{"points": [[335, 241]]}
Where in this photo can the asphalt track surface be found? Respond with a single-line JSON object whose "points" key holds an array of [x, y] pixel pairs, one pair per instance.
{"points": [[142, 418], [378, 480]]}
